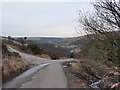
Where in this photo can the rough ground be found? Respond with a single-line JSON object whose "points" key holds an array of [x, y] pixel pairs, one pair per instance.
{"points": [[12, 68], [73, 81], [12, 64], [85, 72]]}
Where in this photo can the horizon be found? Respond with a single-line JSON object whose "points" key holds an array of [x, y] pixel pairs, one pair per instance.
{"points": [[38, 37]]}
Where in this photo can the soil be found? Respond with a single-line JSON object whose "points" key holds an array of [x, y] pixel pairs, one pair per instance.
{"points": [[73, 81]]}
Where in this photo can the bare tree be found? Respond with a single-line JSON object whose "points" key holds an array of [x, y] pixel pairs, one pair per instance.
{"points": [[25, 38], [106, 18], [109, 12], [9, 38]]}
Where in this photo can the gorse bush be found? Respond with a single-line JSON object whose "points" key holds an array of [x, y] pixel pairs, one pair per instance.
{"points": [[35, 49], [104, 48]]}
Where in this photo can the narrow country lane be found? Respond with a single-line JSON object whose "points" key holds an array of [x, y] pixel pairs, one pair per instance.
{"points": [[46, 74], [50, 77]]}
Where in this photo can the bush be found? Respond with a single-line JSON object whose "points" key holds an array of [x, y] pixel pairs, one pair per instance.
{"points": [[71, 55], [55, 52], [16, 54], [105, 48], [6, 53], [35, 49]]}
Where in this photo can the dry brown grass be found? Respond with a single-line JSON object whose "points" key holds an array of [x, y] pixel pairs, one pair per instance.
{"points": [[12, 67], [88, 70]]}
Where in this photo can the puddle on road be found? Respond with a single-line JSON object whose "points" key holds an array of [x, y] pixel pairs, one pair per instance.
{"points": [[95, 85]]}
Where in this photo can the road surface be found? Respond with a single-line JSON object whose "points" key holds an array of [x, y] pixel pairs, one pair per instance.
{"points": [[47, 73], [50, 77]]}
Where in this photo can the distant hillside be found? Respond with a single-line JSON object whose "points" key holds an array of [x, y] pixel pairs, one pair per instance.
{"points": [[59, 41], [79, 41], [44, 40]]}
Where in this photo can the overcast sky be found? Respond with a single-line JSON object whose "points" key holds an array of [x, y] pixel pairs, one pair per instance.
{"points": [[41, 19]]}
